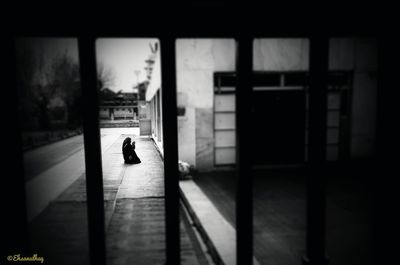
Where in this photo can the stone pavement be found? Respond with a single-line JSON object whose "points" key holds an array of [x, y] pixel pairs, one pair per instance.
{"points": [[136, 232], [279, 213], [134, 206], [40, 159], [57, 176]]}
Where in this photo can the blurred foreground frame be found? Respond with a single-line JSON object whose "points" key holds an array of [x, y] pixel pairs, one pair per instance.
{"points": [[16, 237]]}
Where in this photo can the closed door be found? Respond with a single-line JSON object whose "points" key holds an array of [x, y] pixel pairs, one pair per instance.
{"points": [[224, 129]]}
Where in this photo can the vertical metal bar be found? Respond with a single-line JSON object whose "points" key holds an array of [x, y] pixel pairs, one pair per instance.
{"points": [[385, 187], [169, 109], [244, 199], [379, 204], [319, 54], [14, 229], [94, 176]]}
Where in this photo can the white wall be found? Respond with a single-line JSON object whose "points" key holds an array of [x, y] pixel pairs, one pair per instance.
{"points": [[197, 60], [281, 54], [155, 82], [154, 86]]}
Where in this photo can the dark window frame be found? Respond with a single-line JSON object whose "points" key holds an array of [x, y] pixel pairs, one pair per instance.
{"points": [[343, 86]]}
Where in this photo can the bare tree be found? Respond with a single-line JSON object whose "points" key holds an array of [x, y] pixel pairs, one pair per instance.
{"points": [[65, 82], [29, 67], [27, 64], [42, 79], [105, 76]]}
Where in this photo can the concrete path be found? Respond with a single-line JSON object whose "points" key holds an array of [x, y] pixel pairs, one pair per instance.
{"points": [[136, 234], [42, 158], [134, 206], [278, 212], [50, 183]]}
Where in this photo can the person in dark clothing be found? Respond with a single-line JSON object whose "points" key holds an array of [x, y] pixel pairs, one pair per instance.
{"points": [[128, 151]]}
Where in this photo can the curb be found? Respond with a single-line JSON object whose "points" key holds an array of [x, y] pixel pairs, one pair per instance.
{"points": [[203, 234], [218, 235], [200, 232]]}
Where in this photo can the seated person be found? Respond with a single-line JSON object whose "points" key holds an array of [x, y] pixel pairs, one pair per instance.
{"points": [[128, 150]]}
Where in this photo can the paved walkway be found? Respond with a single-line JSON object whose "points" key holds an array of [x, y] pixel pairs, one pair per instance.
{"points": [[134, 206], [279, 209], [42, 158], [56, 174]]}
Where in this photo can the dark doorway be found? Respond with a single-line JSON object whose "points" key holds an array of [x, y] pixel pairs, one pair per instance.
{"points": [[278, 120]]}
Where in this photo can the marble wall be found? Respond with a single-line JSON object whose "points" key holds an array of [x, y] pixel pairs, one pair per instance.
{"points": [[280, 54], [187, 136], [204, 138], [197, 61]]}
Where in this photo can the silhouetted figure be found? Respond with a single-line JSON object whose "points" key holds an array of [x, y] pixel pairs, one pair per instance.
{"points": [[128, 150]]}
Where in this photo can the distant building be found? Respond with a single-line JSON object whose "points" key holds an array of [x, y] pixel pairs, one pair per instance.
{"points": [[118, 106]]}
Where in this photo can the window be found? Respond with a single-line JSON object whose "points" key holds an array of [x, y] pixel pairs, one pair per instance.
{"points": [[224, 119]]}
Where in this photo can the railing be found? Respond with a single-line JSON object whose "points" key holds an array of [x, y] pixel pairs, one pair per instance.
{"points": [[244, 214]]}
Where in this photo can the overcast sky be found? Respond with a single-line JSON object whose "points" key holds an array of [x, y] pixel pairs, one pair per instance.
{"points": [[124, 56]]}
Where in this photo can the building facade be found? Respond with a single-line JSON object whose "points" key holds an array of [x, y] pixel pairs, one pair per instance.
{"points": [[206, 101], [153, 96], [121, 106]]}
